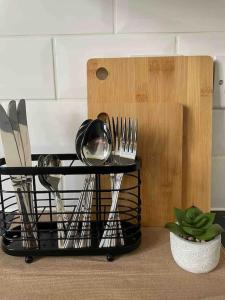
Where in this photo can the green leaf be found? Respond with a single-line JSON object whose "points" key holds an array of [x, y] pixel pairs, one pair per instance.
{"points": [[210, 233], [201, 223], [184, 223], [180, 214], [199, 218], [191, 214], [176, 229], [193, 231], [210, 219]]}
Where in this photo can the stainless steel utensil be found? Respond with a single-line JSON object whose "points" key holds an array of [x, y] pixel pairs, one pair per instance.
{"points": [[96, 146], [113, 177], [72, 238], [14, 155], [79, 137], [125, 139], [51, 182], [85, 236], [90, 149]]}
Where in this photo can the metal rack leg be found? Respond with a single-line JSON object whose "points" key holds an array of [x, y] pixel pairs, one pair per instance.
{"points": [[29, 259], [110, 257]]}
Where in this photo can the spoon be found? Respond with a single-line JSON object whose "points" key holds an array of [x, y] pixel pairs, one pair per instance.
{"points": [[96, 145], [88, 133], [113, 179], [79, 137], [51, 182], [104, 117]]}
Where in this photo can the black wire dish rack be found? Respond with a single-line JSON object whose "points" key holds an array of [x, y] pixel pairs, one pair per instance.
{"points": [[44, 215]]}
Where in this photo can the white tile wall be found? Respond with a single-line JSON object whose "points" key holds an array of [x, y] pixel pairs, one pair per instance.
{"points": [[55, 128], [20, 17], [170, 16], [53, 124], [26, 68], [72, 54], [45, 44], [201, 43]]}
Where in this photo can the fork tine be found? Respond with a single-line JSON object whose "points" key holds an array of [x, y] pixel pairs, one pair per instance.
{"points": [[125, 134], [114, 134], [121, 133], [135, 134], [132, 136], [118, 132], [129, 134]]}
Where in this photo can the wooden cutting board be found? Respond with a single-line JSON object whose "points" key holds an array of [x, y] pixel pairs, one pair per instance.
{"points": [[160, 128], [115, 82]]}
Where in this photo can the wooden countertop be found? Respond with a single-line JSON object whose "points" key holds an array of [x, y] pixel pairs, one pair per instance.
{"points": [[147, 273]]}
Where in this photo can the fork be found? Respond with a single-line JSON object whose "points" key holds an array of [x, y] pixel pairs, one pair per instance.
{"points": [[125, 139]]}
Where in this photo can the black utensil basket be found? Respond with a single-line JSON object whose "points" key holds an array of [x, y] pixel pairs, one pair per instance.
{"points": [[44, 215]]}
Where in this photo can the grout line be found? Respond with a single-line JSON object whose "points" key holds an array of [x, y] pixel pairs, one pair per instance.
{"points": [[50, 35], [28, 99], [47, 99], [54, 68], [115, 16]]}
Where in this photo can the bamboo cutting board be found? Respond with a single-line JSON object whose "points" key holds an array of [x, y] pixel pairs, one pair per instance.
{"points": [[145, 80], [160, 147]]}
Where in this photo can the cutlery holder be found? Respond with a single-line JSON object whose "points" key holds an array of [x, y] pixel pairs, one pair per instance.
{"points": [[45, 215]]}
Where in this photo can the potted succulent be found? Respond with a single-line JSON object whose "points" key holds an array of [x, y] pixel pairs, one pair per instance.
{"points": [[195, 240]]}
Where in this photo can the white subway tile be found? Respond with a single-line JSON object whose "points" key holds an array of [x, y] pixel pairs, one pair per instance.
{"points": [[202, 43], [218, 132], [218, 186], [22, 17], [26, 68], [170, 16], [53, 124], [72, 54], [55, 128]]}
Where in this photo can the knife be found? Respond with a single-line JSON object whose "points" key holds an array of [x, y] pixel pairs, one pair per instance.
{"points": [[26, 147], [8, 141], [18, 120], [12, 115], [13, 159], [22, 121]]}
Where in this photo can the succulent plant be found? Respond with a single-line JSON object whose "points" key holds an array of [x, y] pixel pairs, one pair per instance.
{"points": [[192, 224]]}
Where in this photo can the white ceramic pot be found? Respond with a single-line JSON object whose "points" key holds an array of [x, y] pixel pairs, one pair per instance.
{"points": [[195, 257]]}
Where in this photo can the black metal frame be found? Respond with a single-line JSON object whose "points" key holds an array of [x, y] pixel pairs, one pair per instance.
{"points": [[129, 206]]}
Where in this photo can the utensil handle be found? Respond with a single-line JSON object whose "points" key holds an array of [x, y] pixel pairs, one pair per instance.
{"points": [[85, 240], [73, 227], [28, 224], [116, 180], [60, 220]]}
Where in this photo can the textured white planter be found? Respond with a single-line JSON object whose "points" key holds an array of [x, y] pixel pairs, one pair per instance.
{"points": [[195, 257]]}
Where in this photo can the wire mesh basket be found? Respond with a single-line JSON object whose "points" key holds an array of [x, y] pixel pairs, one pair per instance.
{"points": [[38, 234]]}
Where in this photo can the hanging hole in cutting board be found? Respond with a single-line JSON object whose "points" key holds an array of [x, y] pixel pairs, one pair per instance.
{"points": [[102, 73]]}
